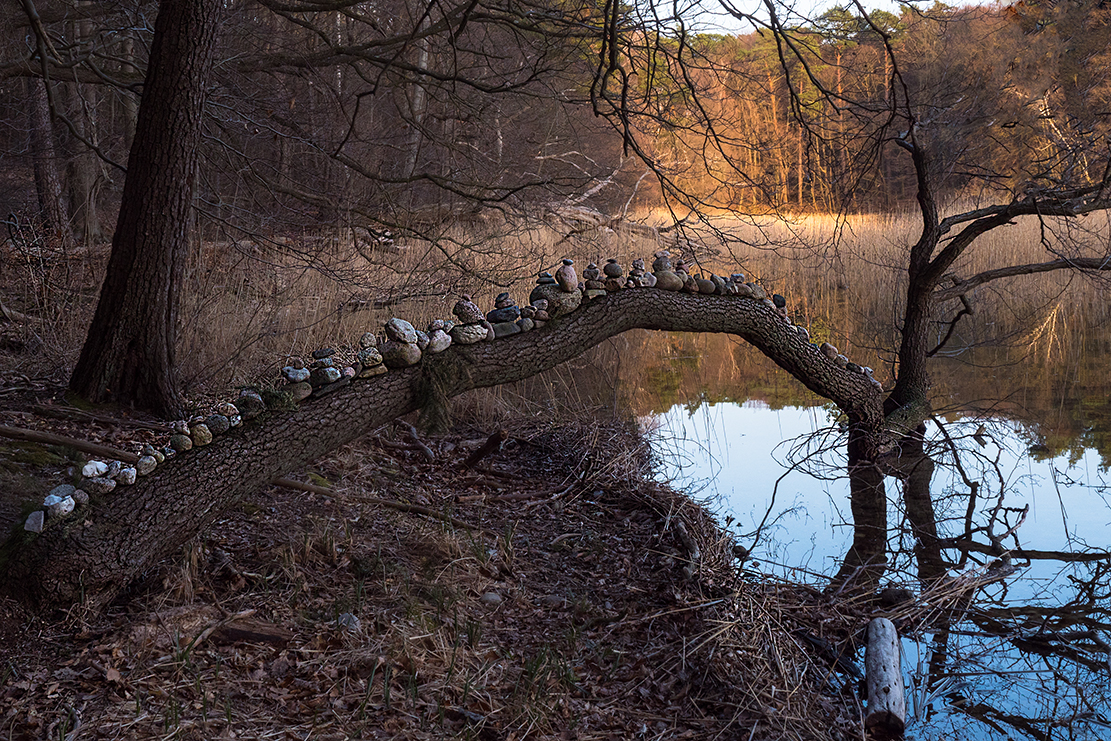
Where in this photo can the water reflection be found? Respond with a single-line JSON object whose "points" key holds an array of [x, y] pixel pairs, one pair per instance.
{"points": [[1011, 625]]}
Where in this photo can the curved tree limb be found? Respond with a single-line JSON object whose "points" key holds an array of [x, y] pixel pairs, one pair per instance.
{"points": [[90, 559], [961, 287]]}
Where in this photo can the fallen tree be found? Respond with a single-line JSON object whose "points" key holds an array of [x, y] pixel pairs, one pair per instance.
{"points": [[90, 559]]}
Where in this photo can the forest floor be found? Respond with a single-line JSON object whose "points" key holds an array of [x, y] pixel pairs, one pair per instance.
{"points": [[559, 603]]}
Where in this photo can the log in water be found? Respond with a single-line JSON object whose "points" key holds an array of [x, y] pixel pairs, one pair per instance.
{"points": [[887, 706]]}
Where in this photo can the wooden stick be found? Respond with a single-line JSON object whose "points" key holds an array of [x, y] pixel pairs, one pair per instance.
{"points": [[70, 413], [411, 433], [49, 438], [388, 503], [887, 706]]}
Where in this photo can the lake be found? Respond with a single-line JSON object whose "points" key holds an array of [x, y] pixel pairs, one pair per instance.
{"points": [[1029, 657]]}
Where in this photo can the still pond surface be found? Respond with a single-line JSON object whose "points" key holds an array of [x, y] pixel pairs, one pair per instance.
{"points": [[1029, 656]]}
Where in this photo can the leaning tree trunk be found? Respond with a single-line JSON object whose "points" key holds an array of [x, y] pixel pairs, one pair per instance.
{"points": [[134, 528], [48, 178], [129, 352]]}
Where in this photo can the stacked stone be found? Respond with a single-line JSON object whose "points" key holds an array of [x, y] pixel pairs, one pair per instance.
{"points": [[472, 326], [561, 297], [504, 318], [594, 285], [403, 344], [368, 360], [438, 337]]}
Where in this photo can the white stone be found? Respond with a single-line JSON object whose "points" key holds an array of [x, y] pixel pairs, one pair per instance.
{"points": [[92, 469], [438, 341], [59, 506], [35, 521]]}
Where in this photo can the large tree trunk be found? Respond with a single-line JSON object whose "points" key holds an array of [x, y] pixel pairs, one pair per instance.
{"points": [[129, 351], [136, 526]]}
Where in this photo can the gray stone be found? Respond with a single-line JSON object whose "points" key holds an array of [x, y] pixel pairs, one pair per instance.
{"points": [[181, 443], [350, 371], [853, 368], [324, 376], [491, 598], [438, 341], [504, 329], [526, 324], [467, 312], [566, 277], [326, 352], [94, 468], [160, 456], [297, 363], [113, 469], [228, 410], [422, 340], [98, 485], [400, 330], [369, 371], [803, 332], [719, 284], [612, 269], [560, 302], [145, 465], [592, 273], [299, 391], [250, 404], [218, 424], [349, 623], [126, 476], [593, 293], [648, 280], [828, 350], [81, 497], [368, 341], [436, 324], [758, 290], [508, 314], [468, 334], [743, 290], [668, 281], [841, 361], [323, 363], [662, 262], [503, 300], [369, 357], [705, 285], [35, 521], [779, 301], [295, 375], [544, 278], [201, 434], [400, 354], [57, 506], [62, 490]]}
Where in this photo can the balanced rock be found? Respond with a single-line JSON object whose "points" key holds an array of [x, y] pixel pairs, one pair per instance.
{"points": [[503, 329], [592, 293], [779, 301], [368, 341], [719, 284], [249, 404], [467, 311], [566, 277], [62, 490], [503, 300], [526, 324], [592, 273], [705, 285], [218, 424], [299, 391], [544, 278], [648, 280], [560, 302], [126, 476], [505, 314], [228, 410], [369, 357], [438, 341], [468, 334], [324, 376], [668, 280], [400, 330], [662, 262], [295, 375], [611, 269], [422, 340], [326, 352], [369, 371], [397, 354]]}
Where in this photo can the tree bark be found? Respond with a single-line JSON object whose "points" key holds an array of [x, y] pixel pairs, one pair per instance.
{"points": [[136, 526], [48, 178], [129, 352]]}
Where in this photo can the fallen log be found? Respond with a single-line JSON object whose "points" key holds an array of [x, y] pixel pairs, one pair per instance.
{"points": [[883, 671]]}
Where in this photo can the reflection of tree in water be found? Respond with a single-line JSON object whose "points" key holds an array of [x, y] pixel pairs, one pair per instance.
{"points": [[1028, 668]]}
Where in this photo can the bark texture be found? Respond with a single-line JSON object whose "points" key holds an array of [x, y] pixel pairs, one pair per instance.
{"points": [[129, 351], [136, 526]]}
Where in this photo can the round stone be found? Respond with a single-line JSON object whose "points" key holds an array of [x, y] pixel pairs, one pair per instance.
{"points": [[828, 350], [81, 497], [349, 372], [544, 278], [59, 506], [299, 391], [779, 301], [400, 330], [126, 476], [744, 290], [438, 341], [662, 262], [368, 341], [719, 284], [201, 434], [369, 357], [525, 324], [508, 314], [217, 424], [468, 334], [145, 465], [295, 375], [436, 324], [504, 329], [612, 269], [181, 443], [324, 376], [492, 599], [668, 280], [227, 409], [250, 404], [400, 354], [99, 485], [560, 302], [467, 312], [323, 363], [566, 277], [705, 285], [94, 468], [326, 352], [758, 291]]}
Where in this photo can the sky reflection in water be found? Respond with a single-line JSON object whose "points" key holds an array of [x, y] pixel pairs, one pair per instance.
{"points": [[986, 687]]}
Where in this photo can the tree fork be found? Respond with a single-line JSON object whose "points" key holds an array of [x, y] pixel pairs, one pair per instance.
{"points": [[133, 528]]}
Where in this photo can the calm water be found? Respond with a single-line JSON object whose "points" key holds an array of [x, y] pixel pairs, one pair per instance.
{"points": [[972, 677]]}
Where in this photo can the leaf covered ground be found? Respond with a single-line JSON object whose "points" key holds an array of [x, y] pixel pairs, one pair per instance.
{"points": [[555, 607]]}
